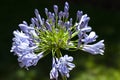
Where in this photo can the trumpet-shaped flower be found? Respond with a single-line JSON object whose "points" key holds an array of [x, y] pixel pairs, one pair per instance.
{"points": [[97, 48], [62, 65], [54, 71], [30, 59]]}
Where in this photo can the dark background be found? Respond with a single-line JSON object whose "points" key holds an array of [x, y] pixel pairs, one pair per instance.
{"points": [[104, 19]]}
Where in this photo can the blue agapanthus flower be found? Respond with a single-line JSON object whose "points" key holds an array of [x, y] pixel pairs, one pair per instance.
{"points": [[48, 35]]}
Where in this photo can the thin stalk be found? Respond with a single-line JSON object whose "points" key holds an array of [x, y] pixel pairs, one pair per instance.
{"points": [[64, 78], [58, 53]]}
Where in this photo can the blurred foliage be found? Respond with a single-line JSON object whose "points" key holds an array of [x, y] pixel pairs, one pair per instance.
{"points": [[99, 73], [105, 21]]}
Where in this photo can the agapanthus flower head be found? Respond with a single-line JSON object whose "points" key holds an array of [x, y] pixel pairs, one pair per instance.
{"points": [[50, 35]]}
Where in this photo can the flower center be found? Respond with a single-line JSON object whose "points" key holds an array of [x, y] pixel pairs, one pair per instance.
{"points": [[52, 40]]}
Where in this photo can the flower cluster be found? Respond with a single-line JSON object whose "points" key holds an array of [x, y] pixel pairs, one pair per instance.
{"points": [[57, 31], [62, 65]]}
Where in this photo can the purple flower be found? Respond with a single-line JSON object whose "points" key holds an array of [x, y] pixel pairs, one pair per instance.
{"points": [[38, 16], [21, 43], [48, 26], [24, 46], [29, 59], [90, 38], [79, 15], [23, 49], [83, 24], [54, 71], [25, 28], [97, 48], [56, 9], [64, 65], [60, 15]]}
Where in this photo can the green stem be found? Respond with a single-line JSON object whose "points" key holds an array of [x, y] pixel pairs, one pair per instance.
{"points": [[58, 53], [56, 21], [64, 78], [53, 52]]}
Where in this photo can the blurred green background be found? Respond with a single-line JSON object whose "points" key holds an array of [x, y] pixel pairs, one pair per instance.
{"points": [[105, 21]]}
